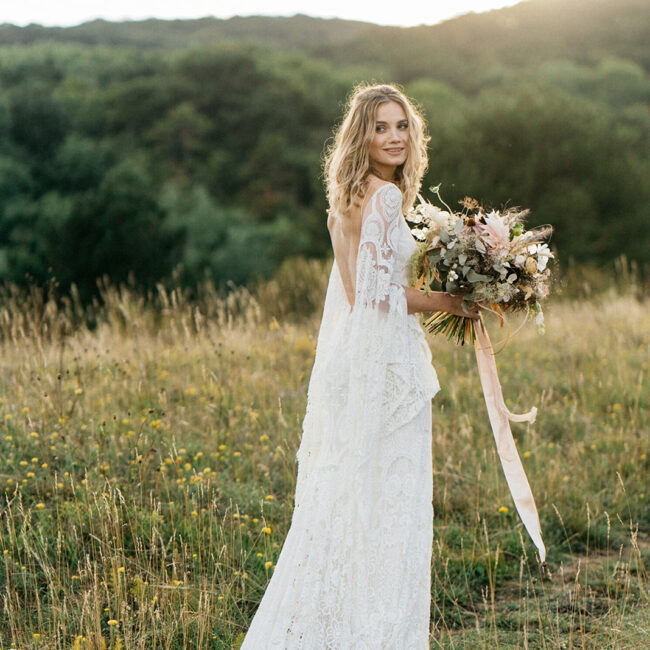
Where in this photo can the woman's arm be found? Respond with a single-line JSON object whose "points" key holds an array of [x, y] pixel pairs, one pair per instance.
{"points": [[417, 301], [375, 262]]}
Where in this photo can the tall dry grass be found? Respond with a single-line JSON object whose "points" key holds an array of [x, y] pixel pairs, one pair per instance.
{"points": [[148, 467]]}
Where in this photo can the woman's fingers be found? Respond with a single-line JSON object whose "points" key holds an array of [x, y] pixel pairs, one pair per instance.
{"points": [[473, 310], [472, 307]]}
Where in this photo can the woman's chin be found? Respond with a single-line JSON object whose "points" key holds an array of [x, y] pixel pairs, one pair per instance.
{"points": [[392, 162], [396, 161]]}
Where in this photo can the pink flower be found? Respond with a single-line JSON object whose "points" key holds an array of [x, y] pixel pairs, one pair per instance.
{"points": [[494, 232]]}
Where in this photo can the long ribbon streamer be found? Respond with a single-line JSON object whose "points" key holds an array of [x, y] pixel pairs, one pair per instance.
{"points": [[499, 419]]}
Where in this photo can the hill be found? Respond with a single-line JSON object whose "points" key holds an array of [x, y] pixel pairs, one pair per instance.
{"points": [[138, 148], [585, 31]]}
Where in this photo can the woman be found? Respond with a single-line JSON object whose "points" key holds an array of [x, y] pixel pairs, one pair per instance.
{"points": [[354, 570]]}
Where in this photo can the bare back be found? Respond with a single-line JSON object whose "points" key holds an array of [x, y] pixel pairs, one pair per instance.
{"points": [[345, 233]]}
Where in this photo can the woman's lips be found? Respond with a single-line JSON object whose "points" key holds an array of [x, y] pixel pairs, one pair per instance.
{"points": [[396, 150]]}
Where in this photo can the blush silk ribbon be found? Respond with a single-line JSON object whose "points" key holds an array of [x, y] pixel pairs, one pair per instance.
{"points": [[499, 419]]}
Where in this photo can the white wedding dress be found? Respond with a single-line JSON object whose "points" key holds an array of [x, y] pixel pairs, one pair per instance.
{"points": [[354, 572]]}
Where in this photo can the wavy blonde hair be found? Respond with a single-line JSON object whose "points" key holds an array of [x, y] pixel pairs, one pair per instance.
{"points": [[347, 161]]}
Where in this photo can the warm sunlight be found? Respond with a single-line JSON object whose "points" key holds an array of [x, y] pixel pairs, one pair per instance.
{"points": [[406, 13]]}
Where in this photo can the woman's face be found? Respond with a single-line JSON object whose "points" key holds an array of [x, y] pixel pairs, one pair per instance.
{"points": [[390, 144]]}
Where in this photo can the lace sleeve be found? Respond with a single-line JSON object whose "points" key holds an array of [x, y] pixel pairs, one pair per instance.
{"points": [[376, 254]]}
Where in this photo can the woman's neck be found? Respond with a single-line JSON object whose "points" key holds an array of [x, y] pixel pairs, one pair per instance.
{"points": [[384, 173]]}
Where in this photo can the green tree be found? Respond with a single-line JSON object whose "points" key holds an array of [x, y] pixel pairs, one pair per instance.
{"points": [[37, 123]]}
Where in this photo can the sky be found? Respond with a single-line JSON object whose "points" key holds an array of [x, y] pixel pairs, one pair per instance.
{"points": [[400, 12]]}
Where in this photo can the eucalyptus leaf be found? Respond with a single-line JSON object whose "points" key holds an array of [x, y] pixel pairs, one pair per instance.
{"points": [[444, 236], [450, 286], [473, 276], [462, 258], [458, 226]]}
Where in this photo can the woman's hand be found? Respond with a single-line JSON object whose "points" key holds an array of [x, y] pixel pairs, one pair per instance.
{"points": [[453, 304], [419, 301]]}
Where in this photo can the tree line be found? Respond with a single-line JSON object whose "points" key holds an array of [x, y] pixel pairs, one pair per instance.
{"points": [[207, 159]]}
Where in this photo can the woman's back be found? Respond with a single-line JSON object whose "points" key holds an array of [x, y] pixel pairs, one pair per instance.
{"points": [[345, 233]]}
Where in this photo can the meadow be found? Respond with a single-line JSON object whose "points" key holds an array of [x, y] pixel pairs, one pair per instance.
{"points": [[147, 466]]}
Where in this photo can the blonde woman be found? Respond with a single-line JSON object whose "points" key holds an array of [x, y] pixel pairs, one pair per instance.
{"points": [[354, 570]]}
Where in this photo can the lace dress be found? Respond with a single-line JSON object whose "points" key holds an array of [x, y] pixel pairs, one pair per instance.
{"points": [[354, 571]]}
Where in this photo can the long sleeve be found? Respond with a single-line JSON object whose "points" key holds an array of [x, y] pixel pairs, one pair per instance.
{"points": [[376, 256]]}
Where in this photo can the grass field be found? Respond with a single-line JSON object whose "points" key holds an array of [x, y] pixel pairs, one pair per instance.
{"points": [[148, 470]]}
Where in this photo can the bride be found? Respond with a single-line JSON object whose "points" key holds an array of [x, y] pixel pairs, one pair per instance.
{"points": [[354, 572]]}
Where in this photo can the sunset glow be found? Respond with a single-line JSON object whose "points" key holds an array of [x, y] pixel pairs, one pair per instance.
{"points": [[405, 13]]}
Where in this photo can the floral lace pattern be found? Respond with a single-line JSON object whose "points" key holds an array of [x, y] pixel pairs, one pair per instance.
{"points": [[354, 569]]}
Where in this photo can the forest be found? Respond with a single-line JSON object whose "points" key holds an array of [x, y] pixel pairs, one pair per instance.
{"points": [[155, 151]]}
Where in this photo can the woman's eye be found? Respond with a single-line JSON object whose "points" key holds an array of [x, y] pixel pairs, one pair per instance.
{"points": [[381, 128]]}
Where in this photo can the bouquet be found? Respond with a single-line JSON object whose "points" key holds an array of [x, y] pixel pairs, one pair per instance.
{"points": [[492, 260], [486, 256]]}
